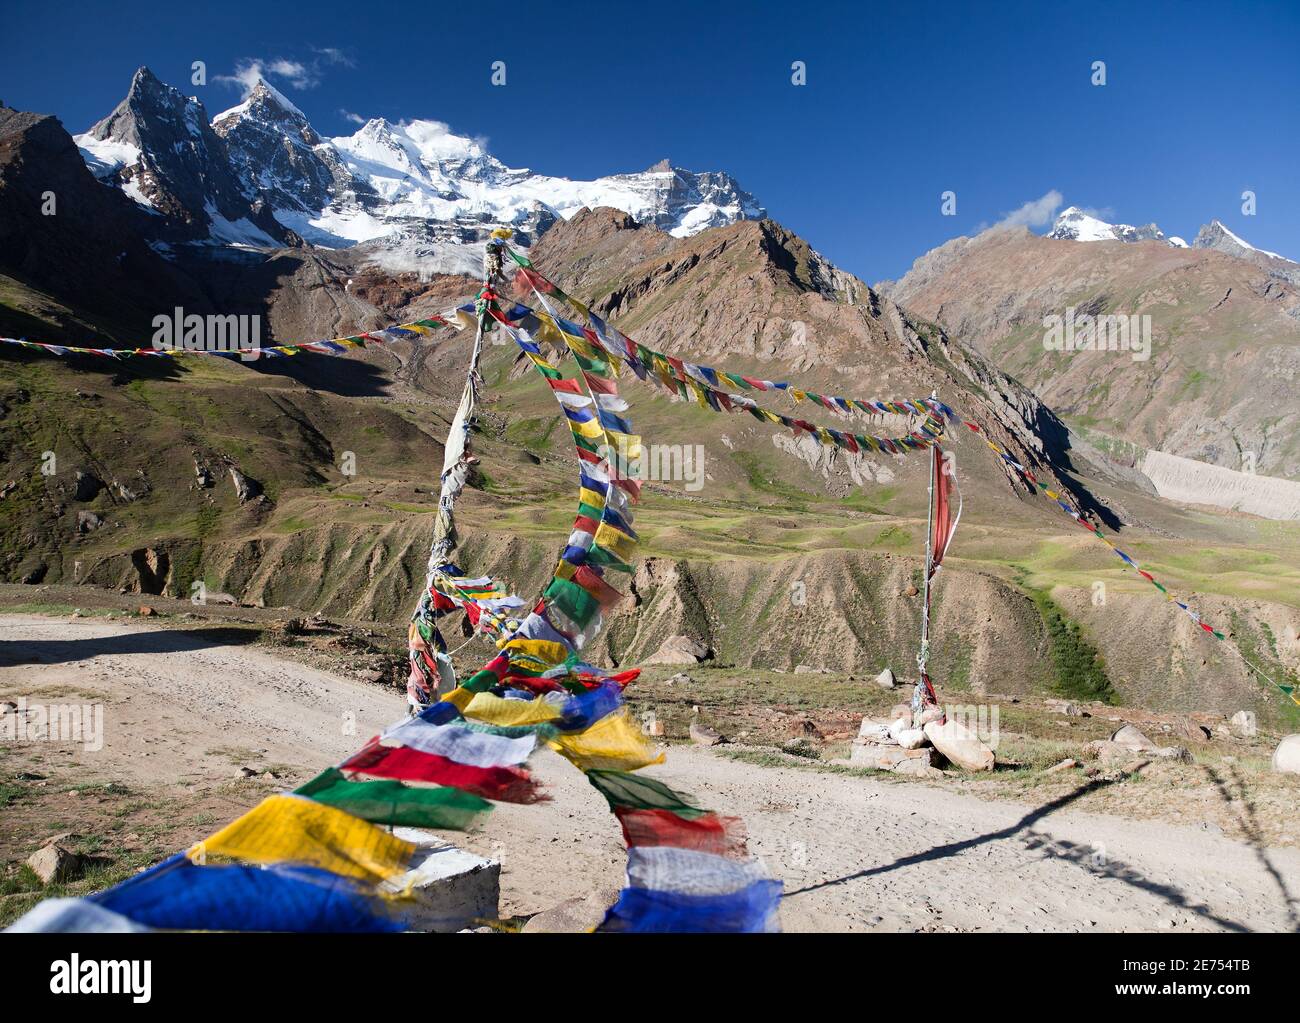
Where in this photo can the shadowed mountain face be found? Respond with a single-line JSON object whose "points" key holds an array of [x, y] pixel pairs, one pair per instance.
{"points": [[74, 251], [1218, 382]]}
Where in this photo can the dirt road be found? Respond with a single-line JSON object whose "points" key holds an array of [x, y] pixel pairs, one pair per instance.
{"points": [[184, 707]]}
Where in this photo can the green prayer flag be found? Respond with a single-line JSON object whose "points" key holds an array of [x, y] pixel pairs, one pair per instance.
{"points": [[391, 802], [622, 789], [575, 602]]}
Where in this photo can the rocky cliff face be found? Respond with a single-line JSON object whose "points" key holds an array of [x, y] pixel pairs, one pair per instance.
{"points": [[159, 148], [277, 156], [1217, 237]]}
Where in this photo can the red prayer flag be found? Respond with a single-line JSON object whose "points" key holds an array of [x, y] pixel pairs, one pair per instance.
{"points": [[710, 833], [400, 763], [945, 514]]}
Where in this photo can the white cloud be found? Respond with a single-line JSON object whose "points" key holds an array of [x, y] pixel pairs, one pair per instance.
{"points": [[296, 74], [1035, 213], [333, 55], [348, 115]]}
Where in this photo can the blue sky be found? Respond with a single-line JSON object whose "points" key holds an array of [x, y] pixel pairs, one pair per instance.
{"points": [[903, 101]]}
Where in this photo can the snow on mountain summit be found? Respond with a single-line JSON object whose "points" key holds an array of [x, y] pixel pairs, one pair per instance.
{"points": [[415, 193], [1215, 235], [1074, 224]]}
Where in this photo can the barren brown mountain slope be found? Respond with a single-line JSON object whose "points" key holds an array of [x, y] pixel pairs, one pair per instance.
{"points": [[722, 562], [1221, 381]]}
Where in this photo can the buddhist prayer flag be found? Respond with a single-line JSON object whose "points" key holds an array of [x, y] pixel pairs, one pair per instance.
{"points": [[393, 803], [946, 510], [291, 829], [180, 895]]}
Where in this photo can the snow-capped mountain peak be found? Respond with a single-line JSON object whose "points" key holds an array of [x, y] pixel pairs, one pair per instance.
{"points": [[415, 193], [158, 147], [1074, 224], [1215, 235], [264, 102]]}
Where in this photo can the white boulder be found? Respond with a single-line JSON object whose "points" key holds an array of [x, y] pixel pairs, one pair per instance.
{"points": [[1286, 758]]}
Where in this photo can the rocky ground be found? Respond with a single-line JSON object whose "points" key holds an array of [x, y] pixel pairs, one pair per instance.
{"points": [[203, 718]]}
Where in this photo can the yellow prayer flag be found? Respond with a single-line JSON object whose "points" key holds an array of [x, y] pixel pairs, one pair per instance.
{"points": [[591, 429], [615, 541], [495, 710], [612, 744], [591, 497], [459, 698], [565, 569], [545, 650], [294, 829]]}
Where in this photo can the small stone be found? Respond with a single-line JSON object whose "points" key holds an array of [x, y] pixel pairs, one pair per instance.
{"points": [[573, 916], [886, 680], [703, 735], [54, 863], [146, 612], [654, 728], [1065, 765], [1243, 724]]}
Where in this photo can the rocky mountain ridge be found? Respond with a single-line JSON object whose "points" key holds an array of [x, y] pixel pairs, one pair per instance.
{"points": [[414, 195]]}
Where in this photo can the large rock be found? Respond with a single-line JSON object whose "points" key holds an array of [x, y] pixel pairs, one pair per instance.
{"points": [[886, 679], [1242, 724], [1286, 758], [703, 735], [886, 758], [246, 488], [1132, 738], [679, 650], [960, 745], [917, 767]]}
